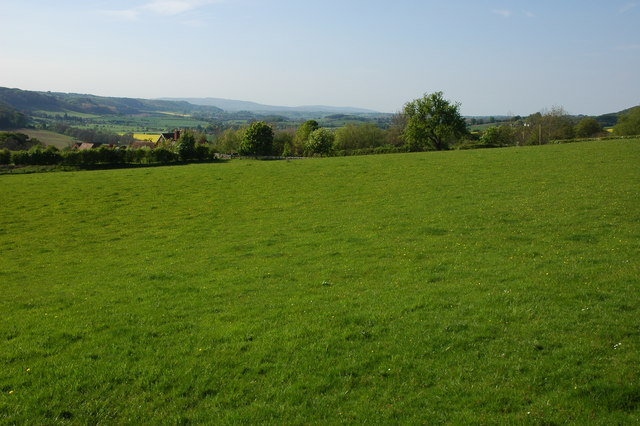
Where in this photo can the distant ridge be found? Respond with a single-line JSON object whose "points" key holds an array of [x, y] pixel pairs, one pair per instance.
{"points": [[231, 105], [29, 101]]}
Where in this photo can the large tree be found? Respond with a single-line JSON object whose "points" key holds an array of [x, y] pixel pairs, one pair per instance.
{"points": [[302, 135], [587, 127], [186, 146], [320, 142], [257, 139], [432, 123]]}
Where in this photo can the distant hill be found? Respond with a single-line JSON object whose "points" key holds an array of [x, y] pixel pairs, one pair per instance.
{"points": [[231, 105], [30, 101], [611, 119]]}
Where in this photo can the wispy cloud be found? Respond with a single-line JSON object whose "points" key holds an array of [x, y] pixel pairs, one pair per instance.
{"points": [[158, 8], [503, 12], [529, 14], [170, 8], [628, 6]]}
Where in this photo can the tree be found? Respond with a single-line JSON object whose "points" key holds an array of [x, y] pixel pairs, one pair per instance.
{"points": [[587, 127], [302, 135], [257, 139], [498, 136], [11, 119], [628, 123], [18, 141], [396, 129], [230, 140], [542, 128], [320, 142], [283, 142], [432, 123], [357, 136], [186, 146]]}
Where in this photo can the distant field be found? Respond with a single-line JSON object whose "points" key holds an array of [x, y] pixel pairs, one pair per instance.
{"points": [[60, 114], [140, 124], [146, 137], [49, 138], [488, 286]]}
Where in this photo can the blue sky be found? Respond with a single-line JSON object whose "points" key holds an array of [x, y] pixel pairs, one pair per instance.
{"points": [[494, 57]]}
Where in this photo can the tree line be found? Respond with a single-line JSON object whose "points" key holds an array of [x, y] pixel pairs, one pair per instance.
{"points": [[184, 150], [427, 123]]}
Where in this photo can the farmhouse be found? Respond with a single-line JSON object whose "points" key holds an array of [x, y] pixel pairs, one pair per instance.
{"points": [[168, 137], [81, 146]]}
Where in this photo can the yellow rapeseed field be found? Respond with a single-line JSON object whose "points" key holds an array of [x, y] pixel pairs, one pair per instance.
{"points": [[145, 137]]}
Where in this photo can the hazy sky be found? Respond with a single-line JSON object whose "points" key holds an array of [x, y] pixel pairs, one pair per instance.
{"points": [[494, 57]]}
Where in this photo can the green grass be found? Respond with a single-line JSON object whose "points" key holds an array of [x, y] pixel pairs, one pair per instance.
{"points": [[488, 286], [151, 122], [61, 114]]}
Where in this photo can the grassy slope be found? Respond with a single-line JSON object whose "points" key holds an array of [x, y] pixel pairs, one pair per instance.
{"points": [[49, 138], [490, 286]]}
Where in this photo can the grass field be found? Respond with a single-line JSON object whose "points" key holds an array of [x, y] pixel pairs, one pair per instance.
{"points": [[49, 138], [487, 286], [153, 122]]}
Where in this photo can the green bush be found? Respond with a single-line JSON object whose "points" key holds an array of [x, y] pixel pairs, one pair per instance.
{"points": [[628, 123], [202, 152], [497, 136], [136, 156], [20, 158], [5, 156], [257, 140], [72, 158], [162, 155], [186, 146], [109, 155], [320, 142]]}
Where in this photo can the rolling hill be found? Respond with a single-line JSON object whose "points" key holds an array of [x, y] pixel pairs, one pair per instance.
{"points": [[30, 101], [231, 105]]}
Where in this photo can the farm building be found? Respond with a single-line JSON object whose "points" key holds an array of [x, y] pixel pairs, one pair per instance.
{"points": [[82, 146], [168, 137]]}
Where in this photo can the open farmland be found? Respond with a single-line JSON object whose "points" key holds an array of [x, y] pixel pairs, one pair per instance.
{"points": [[490, 286]]}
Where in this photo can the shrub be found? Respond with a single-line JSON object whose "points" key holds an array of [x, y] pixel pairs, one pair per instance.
{"points": [[109, 155], [72, 158], [357, 136], [587, 127], [202, 152], [186, 146], [134, 156], [257, 140], [497, 136], [5, 156], [320, 142], [162, 155], [20, 158], [628, 123]]}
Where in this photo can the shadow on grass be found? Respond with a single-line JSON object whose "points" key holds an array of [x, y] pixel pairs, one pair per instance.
{"points": [[22, 170]]}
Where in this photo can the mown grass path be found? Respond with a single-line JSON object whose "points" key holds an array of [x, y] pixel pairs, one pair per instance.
{"points": [[494, 286]]}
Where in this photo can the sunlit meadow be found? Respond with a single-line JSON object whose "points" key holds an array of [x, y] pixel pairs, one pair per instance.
{"points": [[488, 286]]}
